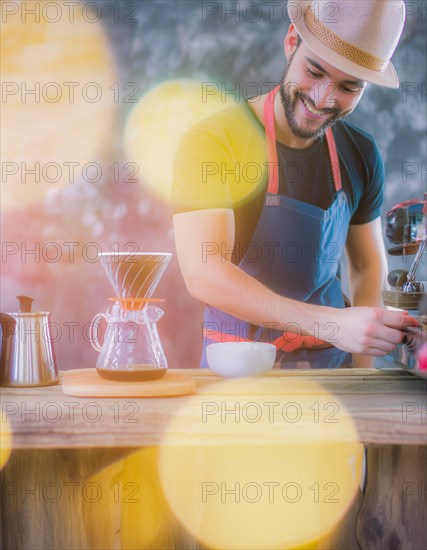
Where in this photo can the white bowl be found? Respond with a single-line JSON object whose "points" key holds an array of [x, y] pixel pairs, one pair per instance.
{"points": [[236, 359]]}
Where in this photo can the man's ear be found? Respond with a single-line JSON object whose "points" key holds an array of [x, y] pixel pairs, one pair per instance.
{"points": [[291, 41]]}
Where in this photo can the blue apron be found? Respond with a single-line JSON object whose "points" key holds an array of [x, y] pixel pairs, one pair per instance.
{"points": [[296, 252]]}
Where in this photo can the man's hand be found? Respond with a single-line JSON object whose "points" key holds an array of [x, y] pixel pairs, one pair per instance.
{"points": [[367, 267], [370, 331]]}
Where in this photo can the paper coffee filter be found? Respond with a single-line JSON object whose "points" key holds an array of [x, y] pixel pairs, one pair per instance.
{"points": [[134, 275]]}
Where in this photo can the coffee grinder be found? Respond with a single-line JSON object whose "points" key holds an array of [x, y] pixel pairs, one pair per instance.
{"points": [[406, 228]]}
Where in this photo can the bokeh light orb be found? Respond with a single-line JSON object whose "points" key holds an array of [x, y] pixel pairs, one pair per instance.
{"points": [[260, 463], [58, 97], [159, 120], [5, 440], [131, 511]]}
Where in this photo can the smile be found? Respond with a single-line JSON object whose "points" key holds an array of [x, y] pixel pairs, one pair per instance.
{"points": [[311, 109]]}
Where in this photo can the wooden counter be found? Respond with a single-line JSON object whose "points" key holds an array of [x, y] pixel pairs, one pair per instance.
{"points": [[387, 406], [63, 438]]}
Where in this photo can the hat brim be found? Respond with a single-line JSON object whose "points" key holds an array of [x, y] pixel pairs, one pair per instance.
{"points": [[387, 78]]}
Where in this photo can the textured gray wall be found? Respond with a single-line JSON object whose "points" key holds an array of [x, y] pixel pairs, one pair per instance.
{"points": [[241, 42]]}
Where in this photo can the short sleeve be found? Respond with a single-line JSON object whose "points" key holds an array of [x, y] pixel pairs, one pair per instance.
{"points": [[372, 198], [220, 162]]}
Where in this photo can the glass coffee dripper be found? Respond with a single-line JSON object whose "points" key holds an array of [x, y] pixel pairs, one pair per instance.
{"points": [[131, 348]]}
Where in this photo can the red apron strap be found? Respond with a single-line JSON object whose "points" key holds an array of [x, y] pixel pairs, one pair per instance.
{"points": [[273, 164], [283, 342], [270, 133], [333, 157]]}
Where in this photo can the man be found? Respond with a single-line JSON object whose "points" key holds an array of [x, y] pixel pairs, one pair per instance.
{"points": [[262, 248]]}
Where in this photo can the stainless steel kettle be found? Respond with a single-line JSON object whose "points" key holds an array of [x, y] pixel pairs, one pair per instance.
{"points": [[27, 355]]}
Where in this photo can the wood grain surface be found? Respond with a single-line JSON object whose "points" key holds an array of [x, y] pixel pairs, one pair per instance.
{"points": [[394, 509], [87, 383], [48, 504], [387, 407], [67, 446]]}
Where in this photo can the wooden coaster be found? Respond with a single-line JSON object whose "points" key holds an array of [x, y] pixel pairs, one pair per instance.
{"points": [[88, 383]]}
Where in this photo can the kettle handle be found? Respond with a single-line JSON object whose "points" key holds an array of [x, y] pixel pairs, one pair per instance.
{"points": [[93, 330], [5, 318], [7, 322]]}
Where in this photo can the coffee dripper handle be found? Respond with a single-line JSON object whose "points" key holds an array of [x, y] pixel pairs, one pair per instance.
{"points": [[154, 314], [93, 330]]}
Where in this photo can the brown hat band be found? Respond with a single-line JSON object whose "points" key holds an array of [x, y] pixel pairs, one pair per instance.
{"points": [[340, 46]]}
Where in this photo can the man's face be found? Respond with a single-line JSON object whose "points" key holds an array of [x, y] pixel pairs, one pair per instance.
{"points": [[315, 94]]}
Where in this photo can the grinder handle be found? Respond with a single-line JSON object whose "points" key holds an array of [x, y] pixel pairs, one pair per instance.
{"points": [[420, 252], [397, 277]]}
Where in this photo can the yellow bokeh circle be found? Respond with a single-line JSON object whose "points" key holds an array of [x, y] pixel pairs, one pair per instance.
{"points": [[5, 440], [260, 463], [158, 122], [59, 99], [131, 511]]}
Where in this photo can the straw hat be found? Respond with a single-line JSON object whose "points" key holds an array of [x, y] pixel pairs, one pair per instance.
{"points": [[357, 37]]}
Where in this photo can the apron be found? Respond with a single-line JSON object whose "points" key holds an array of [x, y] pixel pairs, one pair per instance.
{"points": [[295, 251]]}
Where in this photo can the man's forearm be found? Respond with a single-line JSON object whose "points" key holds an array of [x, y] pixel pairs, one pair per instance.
{"points": [[230, 289], [366, 289], [358, 329], [367, 286], [218, 282]]}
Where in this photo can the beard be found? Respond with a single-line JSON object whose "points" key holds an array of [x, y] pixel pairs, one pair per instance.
{"points": [[290, 102]]}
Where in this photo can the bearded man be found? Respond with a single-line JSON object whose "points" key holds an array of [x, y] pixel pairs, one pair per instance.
{"points": [[271, 192]]}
